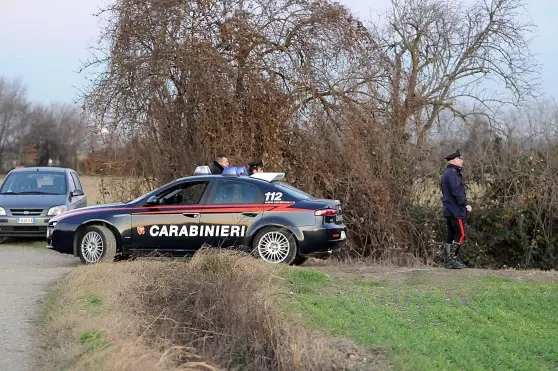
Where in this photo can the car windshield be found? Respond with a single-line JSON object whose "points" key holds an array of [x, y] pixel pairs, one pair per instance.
{"points": [[35, 183], [293, 191]]}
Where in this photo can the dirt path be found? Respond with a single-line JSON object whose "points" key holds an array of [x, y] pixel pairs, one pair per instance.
{"points": [[25, 274], [429, 274]]}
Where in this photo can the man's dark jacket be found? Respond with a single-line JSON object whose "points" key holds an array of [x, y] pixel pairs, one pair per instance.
{"points": [[216, 168], [454, 198]]}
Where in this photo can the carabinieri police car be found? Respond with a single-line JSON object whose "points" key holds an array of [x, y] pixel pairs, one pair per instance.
{"points": [[277, 221]]}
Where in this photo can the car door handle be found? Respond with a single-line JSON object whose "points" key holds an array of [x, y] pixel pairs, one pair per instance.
{"points": [[250, 214], [191, 215]]}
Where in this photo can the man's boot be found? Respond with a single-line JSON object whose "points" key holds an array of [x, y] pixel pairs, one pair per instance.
{"points": [[451, 261], [455, 250], [447, 254]]}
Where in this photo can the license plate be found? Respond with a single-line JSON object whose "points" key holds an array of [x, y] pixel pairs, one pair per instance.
{"points": [[25, 220], [343, 235]]}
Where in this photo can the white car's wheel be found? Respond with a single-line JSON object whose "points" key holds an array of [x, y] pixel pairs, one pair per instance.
{"points": [[97, 244], [275, 245]]}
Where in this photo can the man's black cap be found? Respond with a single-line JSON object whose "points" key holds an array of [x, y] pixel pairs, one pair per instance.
{"points": [[456, 154], [257, 163]]}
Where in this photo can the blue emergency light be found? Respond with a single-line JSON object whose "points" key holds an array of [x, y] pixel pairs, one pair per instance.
{"points": [[235, 170]]}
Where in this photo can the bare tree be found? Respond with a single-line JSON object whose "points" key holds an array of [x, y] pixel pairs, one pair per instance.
{"points": [[13, 112], [442, 53], [56, 132], [70, 127]]}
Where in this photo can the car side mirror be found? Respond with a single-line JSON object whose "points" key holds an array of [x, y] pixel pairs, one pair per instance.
{"points": [[152, 200], [77, 192]]}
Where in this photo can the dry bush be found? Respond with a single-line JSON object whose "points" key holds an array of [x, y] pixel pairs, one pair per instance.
{"points": [[222, 310]]}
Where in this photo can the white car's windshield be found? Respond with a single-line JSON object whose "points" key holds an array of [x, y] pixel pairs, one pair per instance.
{"points": [[48, 183]]}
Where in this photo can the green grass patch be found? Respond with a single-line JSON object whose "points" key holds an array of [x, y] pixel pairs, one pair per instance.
{"points": [[94, 299], [415, 281], [93, 304], [302, 277], [93, 340], [372, 283], [479, 323], [495, 279]]}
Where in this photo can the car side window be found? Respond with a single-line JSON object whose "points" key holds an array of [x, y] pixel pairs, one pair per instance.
{"points": [[76, 181], [184, 194], [236, 193]]}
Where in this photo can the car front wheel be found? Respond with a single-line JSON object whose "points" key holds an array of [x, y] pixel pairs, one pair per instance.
{"points": [[275, 245], [97, 244]]}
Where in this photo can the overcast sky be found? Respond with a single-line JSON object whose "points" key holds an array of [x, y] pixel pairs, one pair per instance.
{"points": [[44, 46]]}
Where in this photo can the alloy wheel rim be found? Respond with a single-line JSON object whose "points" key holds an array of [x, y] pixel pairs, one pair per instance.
{"points": [[92, 247], [274, 247]]}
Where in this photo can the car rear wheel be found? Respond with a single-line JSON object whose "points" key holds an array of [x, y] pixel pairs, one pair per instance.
{"points": [[97, 244], [275, 245]]}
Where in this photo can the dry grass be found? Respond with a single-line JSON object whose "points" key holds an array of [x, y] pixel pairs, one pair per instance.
{"points": [[434, 276], [106, 189], [219, 311], [92, 187], [426, 192]]}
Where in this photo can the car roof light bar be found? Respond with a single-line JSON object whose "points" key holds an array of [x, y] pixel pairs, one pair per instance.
{"points": [[202, 170], [268, 177]]}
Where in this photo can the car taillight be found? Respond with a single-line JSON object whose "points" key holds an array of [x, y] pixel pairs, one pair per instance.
{"points": [[325, 212]]}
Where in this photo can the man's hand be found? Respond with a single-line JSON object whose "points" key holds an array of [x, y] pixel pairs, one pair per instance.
{"points": [[469, 208]]}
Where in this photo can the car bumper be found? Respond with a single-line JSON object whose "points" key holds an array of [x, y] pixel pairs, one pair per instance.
{"points": [[323, 241], [11, 226], [60, 241]]}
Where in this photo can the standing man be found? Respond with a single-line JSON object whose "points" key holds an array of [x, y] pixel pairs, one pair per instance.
{"points": [[456, 207], [219, 164]]}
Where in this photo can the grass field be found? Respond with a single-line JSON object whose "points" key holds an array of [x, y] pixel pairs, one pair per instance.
{"points": [[375, 317], [432, 320]]}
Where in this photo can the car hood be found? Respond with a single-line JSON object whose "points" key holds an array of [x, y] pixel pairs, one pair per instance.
{"points": [[31, 201], [88, 209]]}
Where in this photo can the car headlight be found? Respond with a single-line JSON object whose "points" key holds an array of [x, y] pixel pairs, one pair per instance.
{"points": [[2, 211], [57, 210]]}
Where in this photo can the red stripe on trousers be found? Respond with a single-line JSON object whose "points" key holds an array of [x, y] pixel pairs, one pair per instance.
{"points": [[460, 221]]}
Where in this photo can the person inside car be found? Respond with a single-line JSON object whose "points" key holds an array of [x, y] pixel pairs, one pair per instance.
{"points": [[219, 164]]}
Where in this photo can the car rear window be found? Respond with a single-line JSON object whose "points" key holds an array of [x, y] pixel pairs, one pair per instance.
{"points": [[293, 191], [35, 183]]}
